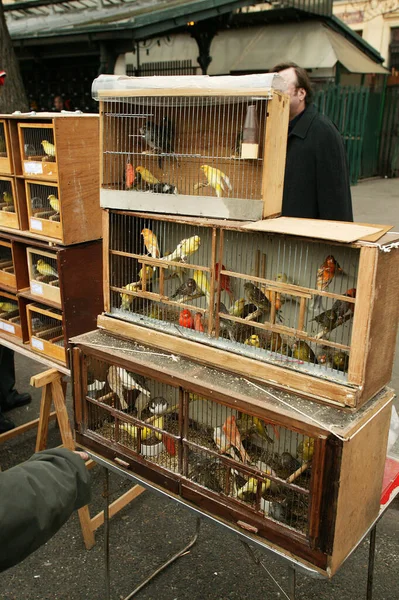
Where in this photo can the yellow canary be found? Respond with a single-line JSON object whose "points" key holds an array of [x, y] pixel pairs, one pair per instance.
{"points": [[45, 269], [148, 271], [253, 340], [252, 484], [184, 249], [238, 308], [203, 285], [127, 299], [305, 449], [48, 148], [54, 203], [145, 431], [8, 307], [151, 243], [147, 176], [7, 197], [216, 179]]}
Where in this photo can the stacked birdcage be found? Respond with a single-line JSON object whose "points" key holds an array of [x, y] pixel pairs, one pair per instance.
{"points": [[217, 327], [51, 221]]}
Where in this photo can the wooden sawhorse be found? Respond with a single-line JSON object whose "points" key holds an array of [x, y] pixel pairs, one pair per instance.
{"points": [[54, 392]]}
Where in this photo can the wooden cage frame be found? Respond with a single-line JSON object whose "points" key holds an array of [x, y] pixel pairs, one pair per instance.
{"points": [[9, 327], [342, 476], [6, 162], [274, 155], [7, 268], [43, 226], [12, 220], [46, 347], [373, 331]]}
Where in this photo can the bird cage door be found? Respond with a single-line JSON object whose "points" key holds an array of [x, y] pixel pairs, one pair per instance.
{"points": [[8, 203], [10, 321], [7, 268], [46, 331], [44, 209], [6, 166], [43, 275], [38, 150], [215, 156]]}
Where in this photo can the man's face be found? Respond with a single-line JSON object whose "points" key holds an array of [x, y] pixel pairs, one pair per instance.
{"points": [[58, 103], [297, 95]]}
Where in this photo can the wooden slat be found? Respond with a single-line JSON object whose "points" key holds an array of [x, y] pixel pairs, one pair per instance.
{"points": [[117, 505], [4, 437], [275, 145], [44, 378], [45, 408]]}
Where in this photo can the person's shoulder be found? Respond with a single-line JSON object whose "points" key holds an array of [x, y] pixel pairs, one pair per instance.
{"points": [[323, 123]]}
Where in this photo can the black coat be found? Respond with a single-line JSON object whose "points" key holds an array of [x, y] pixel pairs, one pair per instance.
{"points": [[316, 183]]}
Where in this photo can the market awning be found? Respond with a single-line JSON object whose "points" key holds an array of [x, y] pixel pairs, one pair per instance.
{"points": [[310, 44]]}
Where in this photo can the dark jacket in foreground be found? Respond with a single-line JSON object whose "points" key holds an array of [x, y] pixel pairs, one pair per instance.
{"points": [[316, 183], [36, 499]]}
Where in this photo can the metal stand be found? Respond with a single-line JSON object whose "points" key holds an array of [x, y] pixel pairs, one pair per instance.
{"points": [[291, 573], [370, 572], [106, 548]]}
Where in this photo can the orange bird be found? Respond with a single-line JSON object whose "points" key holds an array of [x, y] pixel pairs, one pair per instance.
{"points": [[326, 272], [186, 319], [151, 243], [225, 283], [129, 175], [198, 326], [233, 437]]}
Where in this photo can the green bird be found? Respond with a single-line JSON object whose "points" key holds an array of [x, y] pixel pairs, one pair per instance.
{"points": [[256, 296], [7, 197], [301, 351]]}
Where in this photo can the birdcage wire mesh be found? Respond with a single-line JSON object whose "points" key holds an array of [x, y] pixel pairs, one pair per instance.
{"points": [[44, 202], [44, 268], [38, 143], [47, 325], [255, 463], [6, 259], [7, 200], [182, 145], [173, 291]]}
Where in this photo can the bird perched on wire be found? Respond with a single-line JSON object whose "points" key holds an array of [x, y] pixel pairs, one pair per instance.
{"points": [[303, 352], [237, 309], [158, 137], [127, 299], [146, 175], [188, 288], [48, 148], [45, 269], [256, 296], [325, 274], [54, 203], [203, 285], [327, 319], [184, 249], [186, 319], [341, 307], [216, 179], [151, 243]]}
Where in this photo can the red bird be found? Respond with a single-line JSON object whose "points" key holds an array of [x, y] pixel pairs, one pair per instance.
{"points": [[186, 319], [198, 326], [233, 437], [225, 283], [129, 175], [326, 272]]}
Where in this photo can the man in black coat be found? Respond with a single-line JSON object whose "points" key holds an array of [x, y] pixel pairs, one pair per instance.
{"points": [[316, 182]]}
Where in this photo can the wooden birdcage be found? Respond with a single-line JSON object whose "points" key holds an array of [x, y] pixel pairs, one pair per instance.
{"points": [[200, 146], [298, 311], [9, 205], [44, 279], [57, 154], [10, 320], [46, 332], [6, 165], [257, 458], [7, 268]]}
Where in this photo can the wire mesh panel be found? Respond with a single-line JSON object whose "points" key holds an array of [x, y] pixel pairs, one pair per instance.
{"points": [[174, 154], [44, 208], [10, 322], [38, 150], [161, 273], [288, 301], [46, 331], [5, 150], [255, 464], [43, 274], [8, 203], [7, 269]]}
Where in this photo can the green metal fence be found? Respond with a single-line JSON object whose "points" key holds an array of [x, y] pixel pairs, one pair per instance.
{"points": [[389, 145], [347, 107]]}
